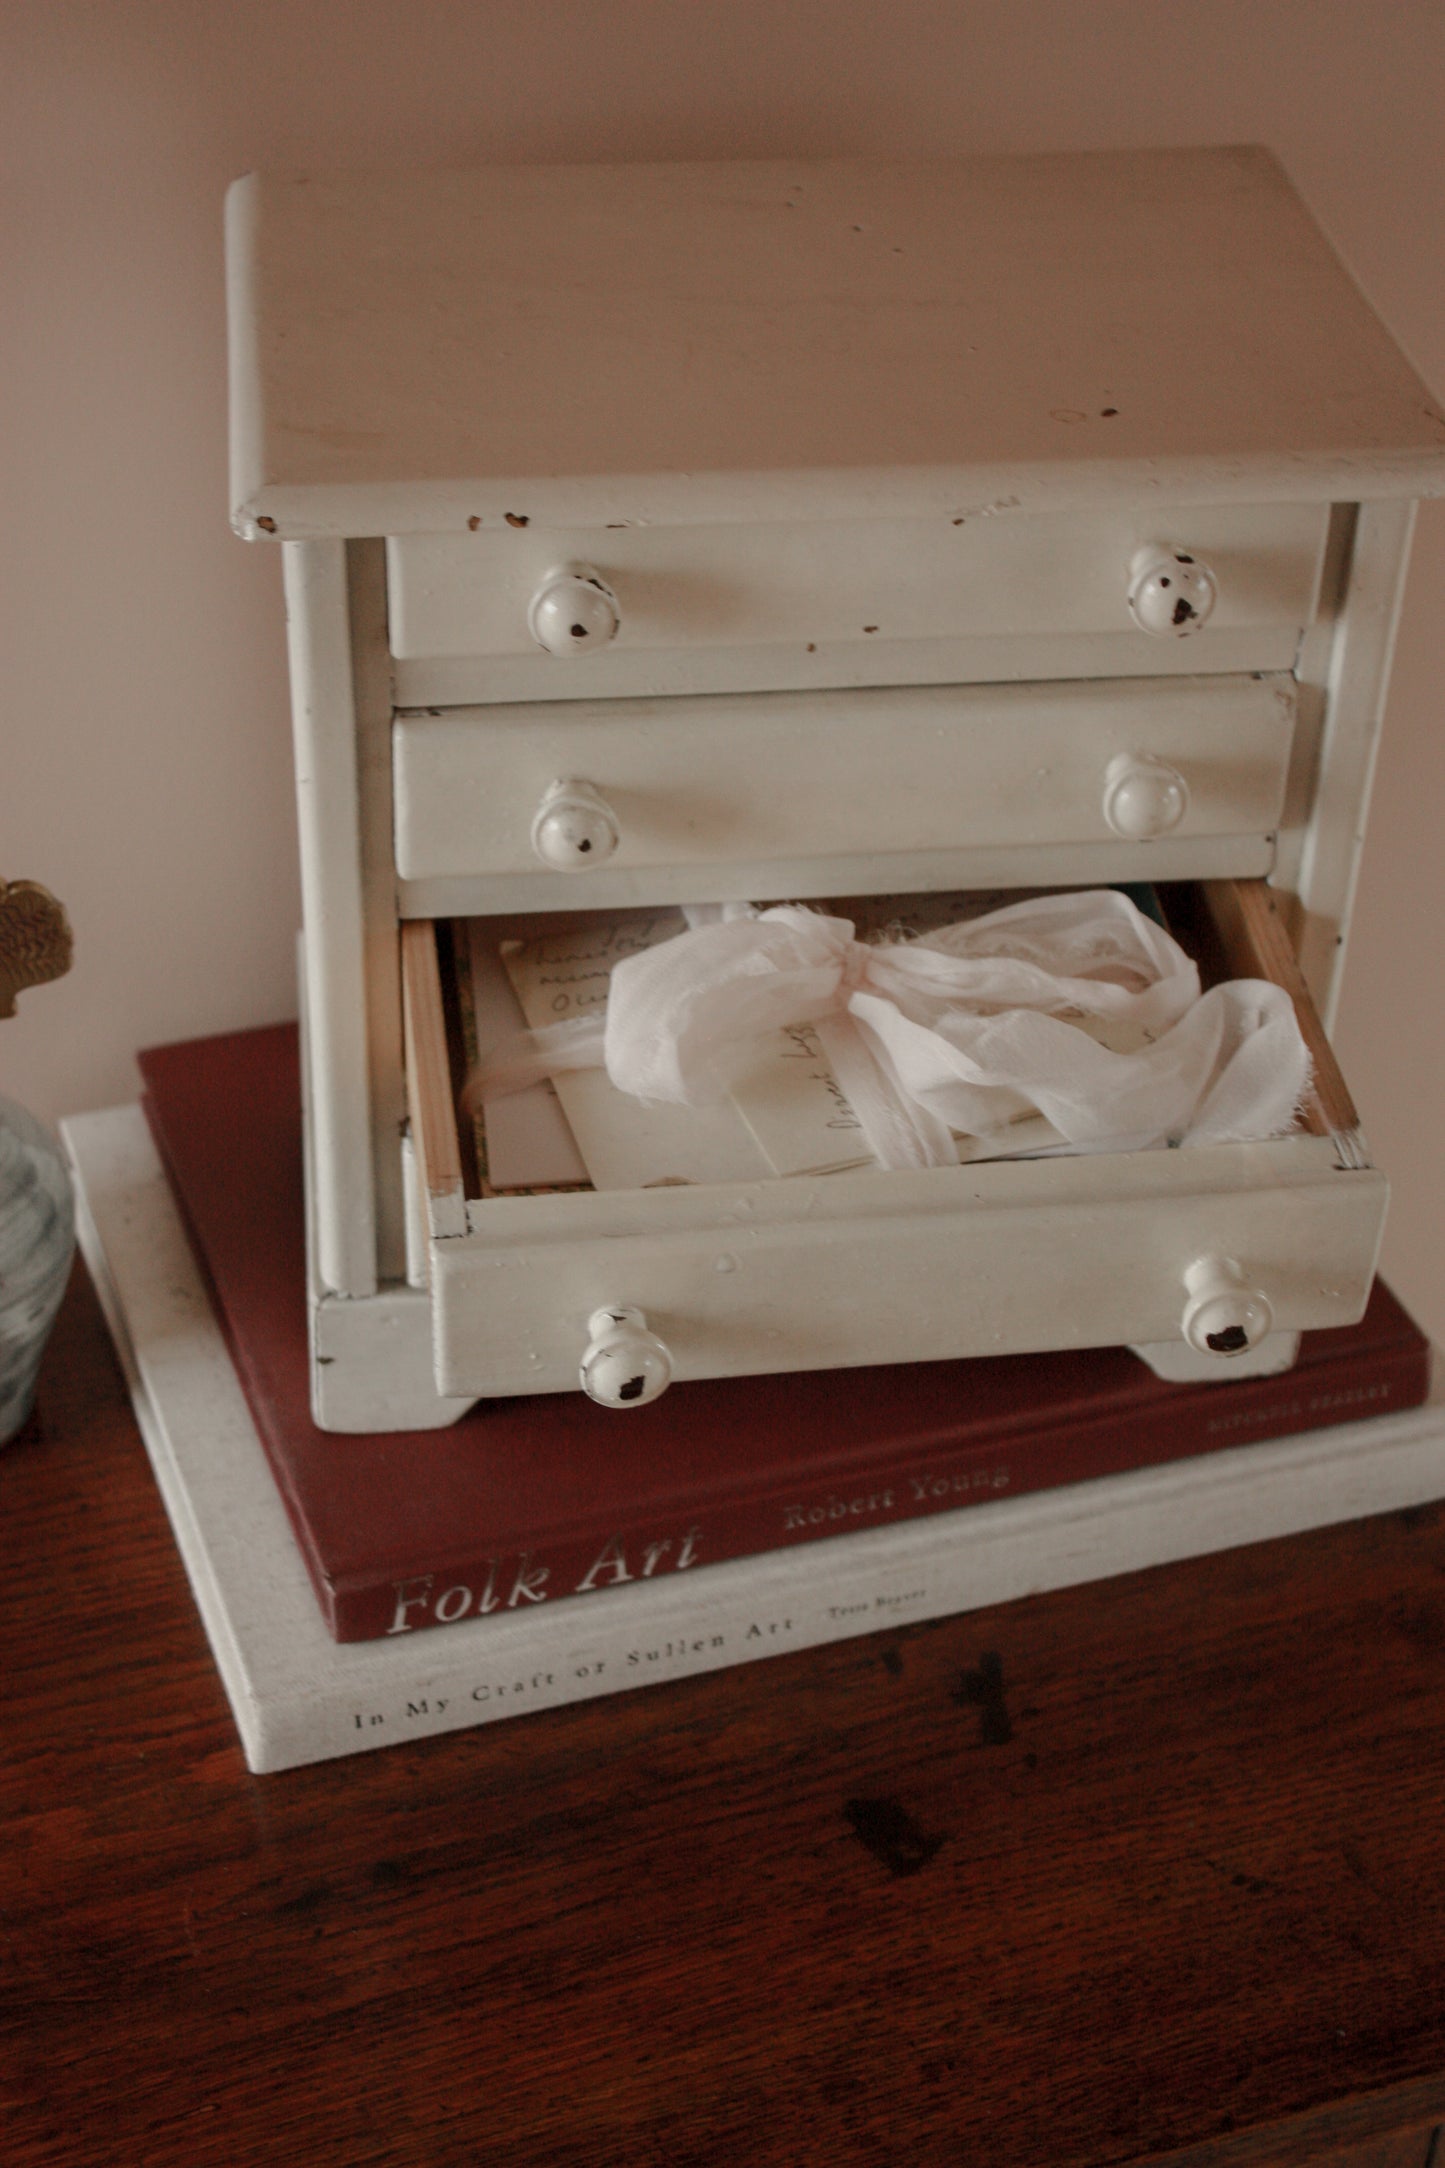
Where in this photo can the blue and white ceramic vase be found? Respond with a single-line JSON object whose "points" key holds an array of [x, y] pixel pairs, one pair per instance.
{"points": [[37, 1242]]}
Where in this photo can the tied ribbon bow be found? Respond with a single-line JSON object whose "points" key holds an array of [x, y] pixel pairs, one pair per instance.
{"points": [[966, 1029]]}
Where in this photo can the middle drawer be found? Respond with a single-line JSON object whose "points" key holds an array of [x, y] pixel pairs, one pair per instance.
{"points": [[720, 796]]}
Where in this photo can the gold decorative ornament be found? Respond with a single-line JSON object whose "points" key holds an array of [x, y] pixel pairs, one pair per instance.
{"points": [[36, 944]]}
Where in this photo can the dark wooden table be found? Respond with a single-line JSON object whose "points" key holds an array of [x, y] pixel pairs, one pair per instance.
{"points": [[1155, 1868]]}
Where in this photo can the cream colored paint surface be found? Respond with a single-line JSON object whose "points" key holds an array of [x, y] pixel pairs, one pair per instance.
{"points": [[147, 773], [425, 352]]}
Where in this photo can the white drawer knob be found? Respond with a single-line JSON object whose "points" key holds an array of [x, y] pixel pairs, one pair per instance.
{"points": [[573, 612], [1224, 1314], [574, 827], [625, 1365], [1170, 593], [1143, 796]]}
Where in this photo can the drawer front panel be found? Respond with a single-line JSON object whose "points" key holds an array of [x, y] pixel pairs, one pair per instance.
{"points": [[1004, 1258], [815, 592], [774, 779]]}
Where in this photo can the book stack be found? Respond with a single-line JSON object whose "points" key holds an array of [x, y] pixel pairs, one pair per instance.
{"points": [[359, 1591]]}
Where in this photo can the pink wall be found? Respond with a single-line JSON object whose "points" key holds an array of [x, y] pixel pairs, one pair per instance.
{"points": [[147, 771]]}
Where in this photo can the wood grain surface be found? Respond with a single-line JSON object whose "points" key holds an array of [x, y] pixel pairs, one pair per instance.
{"points": [[1151, 1868]]}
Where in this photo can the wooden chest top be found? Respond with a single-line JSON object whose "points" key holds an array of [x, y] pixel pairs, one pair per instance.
{"points": [[850, 339]]}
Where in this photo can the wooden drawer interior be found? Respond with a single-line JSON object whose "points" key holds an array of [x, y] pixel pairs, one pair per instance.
{"points": [[1234, 929], [826, 1270]]}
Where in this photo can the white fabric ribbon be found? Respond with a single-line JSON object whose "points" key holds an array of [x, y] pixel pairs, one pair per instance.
{"points": [[964, 1029]]}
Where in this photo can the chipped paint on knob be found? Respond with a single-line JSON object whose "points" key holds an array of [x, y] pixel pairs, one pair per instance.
{"points": [[574, 612], [624, 1365], [1170, 592], [1225, 1315], [1143, 796], [574, 827]]}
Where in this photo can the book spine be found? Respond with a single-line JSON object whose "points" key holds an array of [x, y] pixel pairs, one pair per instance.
{"points": [[383, 1693], [912, 1482]]}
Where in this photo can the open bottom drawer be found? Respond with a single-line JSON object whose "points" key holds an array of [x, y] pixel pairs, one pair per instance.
{"points": [[816, 1272]]}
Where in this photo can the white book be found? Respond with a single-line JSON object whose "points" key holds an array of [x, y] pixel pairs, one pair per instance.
{"points": [[299, 1697]]}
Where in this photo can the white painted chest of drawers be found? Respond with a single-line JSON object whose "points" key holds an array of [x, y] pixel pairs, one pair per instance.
{"points": [[836, 529]]}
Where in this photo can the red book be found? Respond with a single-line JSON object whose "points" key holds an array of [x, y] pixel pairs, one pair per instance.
{"points": [[529, 1500]]}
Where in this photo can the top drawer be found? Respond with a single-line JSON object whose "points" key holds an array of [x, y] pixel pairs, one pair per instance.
{"points": [[739, 608]]}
